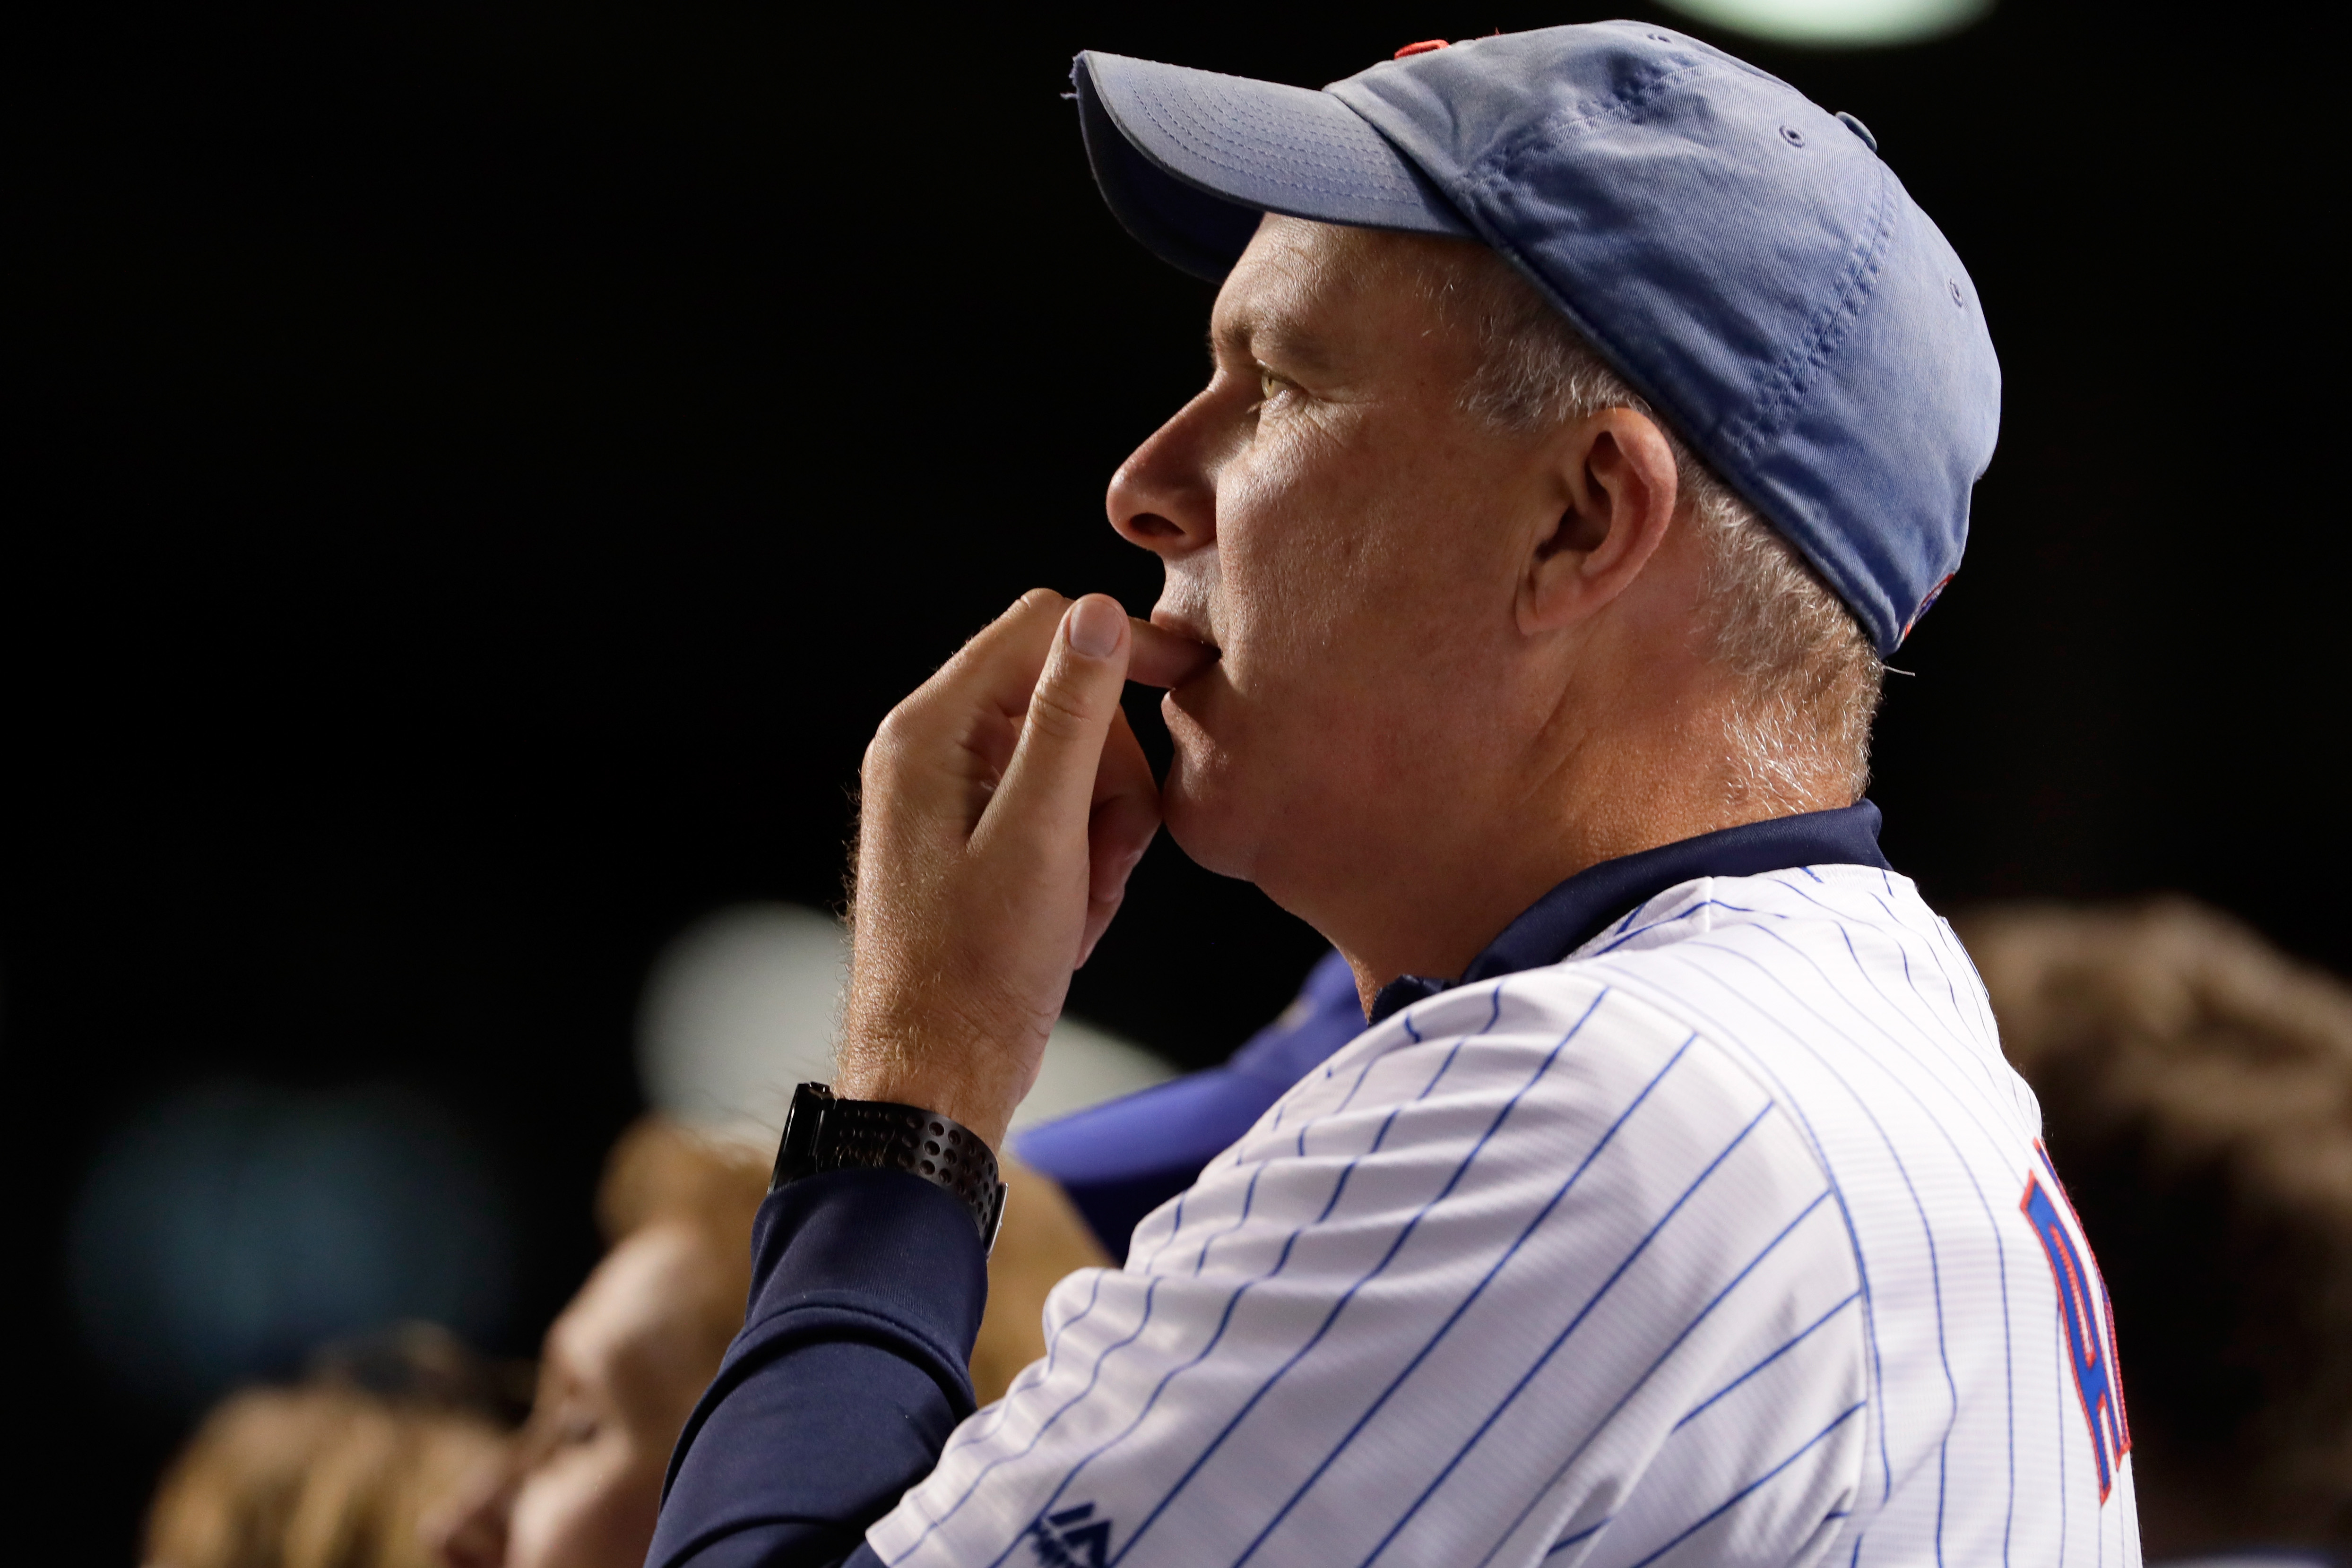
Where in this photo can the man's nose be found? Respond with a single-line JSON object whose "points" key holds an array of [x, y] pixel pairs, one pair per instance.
{"points": [[1164, 496]]}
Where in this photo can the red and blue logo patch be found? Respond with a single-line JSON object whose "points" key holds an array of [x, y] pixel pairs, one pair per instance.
{"points": [[1926, 605], [2089, 1320]]}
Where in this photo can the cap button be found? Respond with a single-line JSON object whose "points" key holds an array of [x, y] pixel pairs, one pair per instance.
{"points": [[1859, 128]]}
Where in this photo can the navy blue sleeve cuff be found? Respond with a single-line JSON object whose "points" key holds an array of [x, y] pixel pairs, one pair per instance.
{"points": [[850, 1373]]}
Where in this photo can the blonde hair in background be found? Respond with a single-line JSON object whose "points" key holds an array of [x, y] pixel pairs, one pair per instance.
{"points": [[662, 1171], [318, 1476]]}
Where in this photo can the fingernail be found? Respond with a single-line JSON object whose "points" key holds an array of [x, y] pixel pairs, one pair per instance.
{"points": [[1095, 625]]}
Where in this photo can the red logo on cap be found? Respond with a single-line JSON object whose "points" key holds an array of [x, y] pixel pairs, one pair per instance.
{"points": [[1924, 605], [1421, 48]]}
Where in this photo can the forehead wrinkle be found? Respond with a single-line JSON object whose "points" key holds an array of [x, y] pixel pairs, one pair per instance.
{"points": [[1287, 285]]}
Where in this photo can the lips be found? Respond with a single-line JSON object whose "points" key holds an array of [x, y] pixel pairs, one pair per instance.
{"points": [[1168, 652]]}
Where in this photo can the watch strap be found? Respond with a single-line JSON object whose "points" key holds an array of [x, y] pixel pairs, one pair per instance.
{"points": [[823, 1131]]}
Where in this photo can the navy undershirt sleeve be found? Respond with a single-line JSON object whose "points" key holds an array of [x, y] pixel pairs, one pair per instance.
{"points": [[850, 1373]]}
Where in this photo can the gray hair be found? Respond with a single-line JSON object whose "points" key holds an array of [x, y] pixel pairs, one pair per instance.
{"points": [[1808, 675]]}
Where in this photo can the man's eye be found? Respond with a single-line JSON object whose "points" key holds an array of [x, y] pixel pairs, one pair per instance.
{"points": [[1269, 383]]}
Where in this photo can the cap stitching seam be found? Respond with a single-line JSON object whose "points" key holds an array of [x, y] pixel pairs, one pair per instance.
{"points": [[1785, 387], [1622, 106]]}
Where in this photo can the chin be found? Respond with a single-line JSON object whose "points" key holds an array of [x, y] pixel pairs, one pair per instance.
{"points": [[1198, 807]]}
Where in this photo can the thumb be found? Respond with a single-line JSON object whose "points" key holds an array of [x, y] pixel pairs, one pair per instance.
{"points": [[1047, 792]]}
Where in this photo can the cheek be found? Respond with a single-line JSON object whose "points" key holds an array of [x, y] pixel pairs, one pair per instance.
{"points": [[591, 1508], [1344, 617], [1294, 557], [1363, 577], [1366, 533]]}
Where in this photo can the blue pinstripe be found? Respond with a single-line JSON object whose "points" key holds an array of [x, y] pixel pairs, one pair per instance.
{"points": [[1226, 1319], [1561, 1338], [1003, 1409], [1650, 1371], [1992, 1226], [1494, 1012], [1991, 1135], [1175, 1223], [2058, 1358], [1694, 907], [1951, 992], [1144, 1318], [1003, 1406], [1782, 1349], [1717, 1513], [1854, 1239], [1927, 1231], [1478, 1290], [1150, 1289], [1587, 1533], [2000, 1250], [1249, 1197]]}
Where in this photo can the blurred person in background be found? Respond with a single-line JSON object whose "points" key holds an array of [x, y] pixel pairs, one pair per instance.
{"points": [[579, 1486], [337, 1471], [2196, 1086], [623, 1364]]}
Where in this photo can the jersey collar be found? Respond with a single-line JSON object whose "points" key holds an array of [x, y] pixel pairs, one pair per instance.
{"points": [[1576, 911]]}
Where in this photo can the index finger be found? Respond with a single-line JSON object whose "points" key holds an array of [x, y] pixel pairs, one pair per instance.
{"points": [[1000, 665], [1165, 658], [1056, 777]]}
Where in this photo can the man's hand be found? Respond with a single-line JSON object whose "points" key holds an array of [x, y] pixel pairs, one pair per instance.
{"points": [[1005, 804]]}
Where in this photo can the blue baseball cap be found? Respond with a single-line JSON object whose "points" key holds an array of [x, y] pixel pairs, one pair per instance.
{"points": [[1739, 255]]}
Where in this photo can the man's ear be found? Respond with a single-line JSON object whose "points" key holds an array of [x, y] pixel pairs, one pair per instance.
{"points": [[1613, 479]]}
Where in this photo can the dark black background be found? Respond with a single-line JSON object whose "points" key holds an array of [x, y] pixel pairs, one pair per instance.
{"points": [[484, 471]]}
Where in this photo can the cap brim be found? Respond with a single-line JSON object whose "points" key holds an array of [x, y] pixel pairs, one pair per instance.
{"points": [[1189, 161]]}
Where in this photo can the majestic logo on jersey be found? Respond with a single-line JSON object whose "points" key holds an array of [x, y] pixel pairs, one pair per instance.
{"points": [[2090, 1324], [1073, 1538]]}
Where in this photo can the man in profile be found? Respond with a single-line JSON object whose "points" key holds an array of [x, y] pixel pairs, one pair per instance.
{"points": [[1590, 414]]}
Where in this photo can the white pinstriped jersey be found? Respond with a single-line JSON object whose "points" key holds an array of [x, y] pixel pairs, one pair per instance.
{"points": [[1727, 1239]]}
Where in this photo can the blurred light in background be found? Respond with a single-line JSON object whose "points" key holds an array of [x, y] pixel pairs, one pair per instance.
{"points": [[743, 1006], [225, 1234], [1838, 24]]}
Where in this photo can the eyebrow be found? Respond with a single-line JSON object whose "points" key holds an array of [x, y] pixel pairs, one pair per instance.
{"points": [[1254, 337]]}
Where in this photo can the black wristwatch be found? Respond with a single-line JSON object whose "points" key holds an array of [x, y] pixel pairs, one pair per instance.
{"points": [[824, 1133]]}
